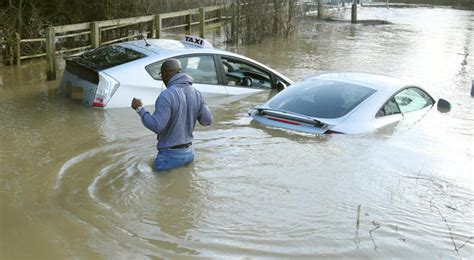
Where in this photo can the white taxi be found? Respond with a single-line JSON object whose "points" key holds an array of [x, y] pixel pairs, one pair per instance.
{"points": [[110, 76]]}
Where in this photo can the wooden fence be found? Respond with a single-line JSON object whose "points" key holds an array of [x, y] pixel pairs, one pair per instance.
{"points": [[95, 30]]}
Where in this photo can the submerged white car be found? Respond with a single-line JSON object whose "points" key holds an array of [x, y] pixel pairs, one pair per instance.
{"points": [[110, 76], [348, 103]]}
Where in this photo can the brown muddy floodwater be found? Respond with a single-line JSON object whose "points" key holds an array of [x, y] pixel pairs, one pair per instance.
{"points": [[77, 183]]}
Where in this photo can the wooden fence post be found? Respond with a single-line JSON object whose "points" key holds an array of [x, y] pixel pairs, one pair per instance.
{"points": [[202, 22], [17, 49], [158, 26], [51, 53], [153, 29], [187, 28], [95, 35]]}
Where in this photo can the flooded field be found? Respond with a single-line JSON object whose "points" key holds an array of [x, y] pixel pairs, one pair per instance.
{"points": [[77, 182]]}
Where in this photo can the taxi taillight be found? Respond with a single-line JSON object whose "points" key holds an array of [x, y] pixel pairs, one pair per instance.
{"points": [[105, 90]]}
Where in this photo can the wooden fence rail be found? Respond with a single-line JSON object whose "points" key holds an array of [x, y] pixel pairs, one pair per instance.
{"points": [[95, 29]]}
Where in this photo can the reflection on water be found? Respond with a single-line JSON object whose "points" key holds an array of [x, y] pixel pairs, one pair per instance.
{"points": [[77, 182]]}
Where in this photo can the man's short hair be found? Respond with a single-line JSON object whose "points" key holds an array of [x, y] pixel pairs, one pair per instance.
{"points": [[171, 65]]}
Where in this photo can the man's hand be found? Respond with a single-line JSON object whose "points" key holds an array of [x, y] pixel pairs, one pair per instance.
{"points": [[136, 103]]}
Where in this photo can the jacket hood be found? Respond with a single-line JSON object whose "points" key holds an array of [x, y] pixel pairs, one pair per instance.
{"points": [[180, 80]]}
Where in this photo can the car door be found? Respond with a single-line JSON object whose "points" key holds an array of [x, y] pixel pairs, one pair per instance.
{"points": [[202, 68], [244, 78], [409, 103]]}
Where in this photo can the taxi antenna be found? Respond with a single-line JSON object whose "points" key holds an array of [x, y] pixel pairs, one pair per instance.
{"points": [[144, 38]]}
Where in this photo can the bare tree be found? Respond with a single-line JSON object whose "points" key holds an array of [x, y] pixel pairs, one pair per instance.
{"points": [[264, 18]]}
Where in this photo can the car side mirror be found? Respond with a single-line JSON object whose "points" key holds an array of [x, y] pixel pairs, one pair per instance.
{"points": [[279, 86], [444, 106]]}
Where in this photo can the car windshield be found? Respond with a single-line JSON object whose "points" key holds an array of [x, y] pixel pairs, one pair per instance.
{"points": [[107, 57], [320, 98]]}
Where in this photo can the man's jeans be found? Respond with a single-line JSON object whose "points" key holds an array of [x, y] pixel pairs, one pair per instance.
{"points": [[168, 159]]}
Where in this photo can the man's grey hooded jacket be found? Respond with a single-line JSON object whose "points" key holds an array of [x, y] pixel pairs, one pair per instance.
{"points": [[176, 111]]}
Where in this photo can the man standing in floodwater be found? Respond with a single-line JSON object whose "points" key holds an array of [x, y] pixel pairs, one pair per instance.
{"points": [[176, 111]]}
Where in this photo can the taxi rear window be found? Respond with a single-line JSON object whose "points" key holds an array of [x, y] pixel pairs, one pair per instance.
{"points": [[106, 57]]}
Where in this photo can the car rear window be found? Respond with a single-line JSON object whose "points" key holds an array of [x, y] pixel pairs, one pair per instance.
{"points": [[320, 98], [106, 57]]}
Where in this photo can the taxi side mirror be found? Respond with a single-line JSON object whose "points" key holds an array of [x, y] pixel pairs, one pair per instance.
{"points": [[443, 106], [279, 86]]}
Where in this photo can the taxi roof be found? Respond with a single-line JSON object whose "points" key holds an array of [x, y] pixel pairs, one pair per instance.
{"points": [[158, 46]]}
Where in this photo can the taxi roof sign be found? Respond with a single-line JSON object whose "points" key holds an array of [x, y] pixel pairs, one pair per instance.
{"points": [[196, 41]]}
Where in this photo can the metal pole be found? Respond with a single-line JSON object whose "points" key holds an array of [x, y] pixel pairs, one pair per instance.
{"points": [[354, 12]]}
